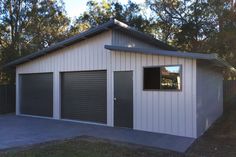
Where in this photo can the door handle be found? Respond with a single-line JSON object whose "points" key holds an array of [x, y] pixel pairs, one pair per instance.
{"points": [[114, 99]]}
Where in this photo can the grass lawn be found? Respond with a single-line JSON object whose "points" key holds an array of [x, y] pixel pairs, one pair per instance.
{"points": [[86, 147], [218, 141]]}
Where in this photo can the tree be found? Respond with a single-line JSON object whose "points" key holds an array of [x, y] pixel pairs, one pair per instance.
{"points": [[101, 12], [224, 41], [185, 24], [29, 25], [198, 26]]}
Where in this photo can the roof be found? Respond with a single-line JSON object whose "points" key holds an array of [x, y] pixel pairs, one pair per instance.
{"points": [[166, 49], [213, 57], [113, 23]]}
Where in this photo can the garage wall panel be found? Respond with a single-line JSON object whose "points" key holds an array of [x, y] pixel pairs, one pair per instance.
{"points": [[85, 55], [122, 38], [209, 95], [172, 112], [88, 54]]}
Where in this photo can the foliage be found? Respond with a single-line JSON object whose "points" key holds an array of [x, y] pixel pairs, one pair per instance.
{"points": [[224, 41], [187, 24], [98, 13], [197, 25], [29, 25]]}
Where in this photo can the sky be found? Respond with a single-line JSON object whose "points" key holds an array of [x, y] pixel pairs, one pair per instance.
{"points": [[75, 7]]}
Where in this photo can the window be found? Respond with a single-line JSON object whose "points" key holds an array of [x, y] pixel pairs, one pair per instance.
{"points": [[162, 78]]}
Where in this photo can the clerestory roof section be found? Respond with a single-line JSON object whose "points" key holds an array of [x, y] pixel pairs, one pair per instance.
{"points": [[213, 57]]}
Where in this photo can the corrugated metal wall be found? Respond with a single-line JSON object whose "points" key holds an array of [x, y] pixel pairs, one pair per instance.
{"points": [[83, 56], [155, 111], [169, 112], [209, 95], [123, 39]]}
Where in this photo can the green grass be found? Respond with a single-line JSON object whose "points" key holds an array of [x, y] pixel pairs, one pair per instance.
{"points": [[86, 147]]}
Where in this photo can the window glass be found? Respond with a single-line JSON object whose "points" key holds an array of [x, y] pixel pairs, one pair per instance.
{"points": [[152, 78], [170, 77], [161, 78]]}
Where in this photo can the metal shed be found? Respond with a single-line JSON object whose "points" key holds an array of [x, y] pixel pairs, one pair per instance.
{"points": [[117, 76]]}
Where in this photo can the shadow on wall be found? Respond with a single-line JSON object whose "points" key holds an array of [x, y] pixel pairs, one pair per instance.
{"points": [[210, 104]]}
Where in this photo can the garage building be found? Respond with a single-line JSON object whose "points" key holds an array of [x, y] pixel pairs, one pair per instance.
{"points": [[117, 76]]}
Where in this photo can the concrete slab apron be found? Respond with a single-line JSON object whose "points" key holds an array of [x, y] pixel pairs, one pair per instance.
{"points": [[20, 131]]}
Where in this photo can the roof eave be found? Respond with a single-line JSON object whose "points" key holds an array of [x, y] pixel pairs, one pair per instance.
{"points": [[161, 52]]}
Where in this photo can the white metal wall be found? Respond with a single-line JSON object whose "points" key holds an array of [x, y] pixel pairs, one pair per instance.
{"points": [[209, 95], [124, 39], [154, 111], [170, 112]]}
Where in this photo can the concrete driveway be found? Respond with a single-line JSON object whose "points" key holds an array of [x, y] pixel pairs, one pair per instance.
{"points": [[20, 131]]}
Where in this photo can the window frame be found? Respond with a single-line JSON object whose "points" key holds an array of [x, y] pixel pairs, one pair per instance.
{"points": [[165, 90]]}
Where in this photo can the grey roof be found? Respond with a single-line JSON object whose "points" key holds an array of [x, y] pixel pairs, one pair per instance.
{"points": [[113, 23], [213, 57]]}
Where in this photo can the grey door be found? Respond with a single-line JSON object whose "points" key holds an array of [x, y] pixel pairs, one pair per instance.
{"points": [[84, 96], [36, 94], [123, 99]]}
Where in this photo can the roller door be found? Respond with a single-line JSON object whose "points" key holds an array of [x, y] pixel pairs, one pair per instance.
{"points": [[84, 96], [36, 94]]}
